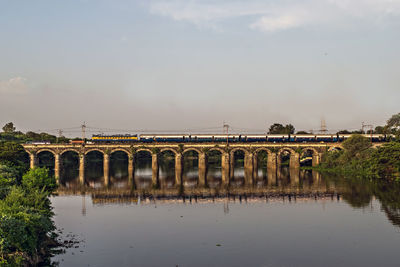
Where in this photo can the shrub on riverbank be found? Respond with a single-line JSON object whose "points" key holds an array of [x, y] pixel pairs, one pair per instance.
{"points": [[359, 159], [26, 223]]}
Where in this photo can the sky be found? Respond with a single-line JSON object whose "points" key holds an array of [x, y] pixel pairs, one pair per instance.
{"points": [[193, 64]]}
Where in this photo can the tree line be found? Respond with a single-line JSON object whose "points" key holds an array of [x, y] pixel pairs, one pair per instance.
{"points": [[392, 126]]}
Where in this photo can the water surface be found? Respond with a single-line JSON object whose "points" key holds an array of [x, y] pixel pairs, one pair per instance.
{"points": [[306, 220]]}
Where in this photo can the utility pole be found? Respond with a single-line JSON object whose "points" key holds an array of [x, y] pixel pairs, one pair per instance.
{"points": [[226, 129], [60, 132], [371, 127], [83, 131], [323, 129]]}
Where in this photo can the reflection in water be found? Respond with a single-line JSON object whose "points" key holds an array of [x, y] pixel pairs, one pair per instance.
{"points": [[295, 219], [284, 183], [277, 219]]}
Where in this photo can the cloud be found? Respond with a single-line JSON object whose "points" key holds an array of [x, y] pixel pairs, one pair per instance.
{"points": [[274, 15], [14, 85], [272, 24]]}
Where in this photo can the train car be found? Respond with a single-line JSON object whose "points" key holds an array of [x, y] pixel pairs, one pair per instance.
{"points": [[276, 138], [117, 138], [326, 138], [169, 138], [147, 138], [252, 138], [202, 138], [304, 138], [232, 138], [375, 137], [76, 142], [161, 138], [39, 142]]}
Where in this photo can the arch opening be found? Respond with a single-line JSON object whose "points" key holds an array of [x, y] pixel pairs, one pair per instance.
{"points": [[166, 161], [143, 171], [283, 168], [69, 160], [237, 167], [214, 173], [119, 168], [46, 159], [306, 158], [190, 168], [94, 173], [262, 168]]}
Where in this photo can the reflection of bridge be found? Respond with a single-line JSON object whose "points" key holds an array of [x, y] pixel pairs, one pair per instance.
{"points": [[227, 154]]}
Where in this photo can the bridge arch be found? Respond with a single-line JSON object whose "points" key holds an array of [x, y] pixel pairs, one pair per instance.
{"points": [[69, 150], [335, 148], [261, 149], [94, 149], [216, 149], [307, 149], [169, 149], [288, 156], [244, 150], [309, 156], [192, 149], [46, 158], [120, 149], [142, 149], [45, 150], [286, 149]]}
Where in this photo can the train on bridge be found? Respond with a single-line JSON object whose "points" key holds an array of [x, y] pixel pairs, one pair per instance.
{"points": [[231, 138]]}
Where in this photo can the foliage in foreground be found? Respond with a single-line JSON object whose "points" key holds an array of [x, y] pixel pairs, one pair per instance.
{"points": [[25, 216], [359, 159]]}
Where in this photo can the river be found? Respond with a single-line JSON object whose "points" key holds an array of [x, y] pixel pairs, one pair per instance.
{"points": [[306, 220]]}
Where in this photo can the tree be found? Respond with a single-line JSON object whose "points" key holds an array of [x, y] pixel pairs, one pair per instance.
{"points": [[278, 128], [39, 179], [393, 125], [394, 121], [356, 144], [380, 130], [9, 128]]}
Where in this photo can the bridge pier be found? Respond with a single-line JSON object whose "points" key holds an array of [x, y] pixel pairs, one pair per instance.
{"points": [[202, 169], [106, 168], [294, 161], [316, 159], [178, 169], [225, 166], [255, 167], [131, 170], [294, 176], [57, 167], [82, 168], [271, 176], [232, 166], [33, 160], [271, 161], [248, 168], [155, 169]]}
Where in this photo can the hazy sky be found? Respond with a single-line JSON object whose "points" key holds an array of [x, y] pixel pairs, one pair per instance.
{"points": [[187, 64]]}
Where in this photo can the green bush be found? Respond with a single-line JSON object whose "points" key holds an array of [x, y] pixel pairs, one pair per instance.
{"points": [[39, 179], [359, 159], [26, 217]]}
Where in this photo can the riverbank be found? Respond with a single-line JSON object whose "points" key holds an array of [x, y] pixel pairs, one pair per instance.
{"points": [[360, 159]]}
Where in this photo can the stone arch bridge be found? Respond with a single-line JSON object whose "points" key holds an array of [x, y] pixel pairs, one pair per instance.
{"points": [[227, 152]]}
